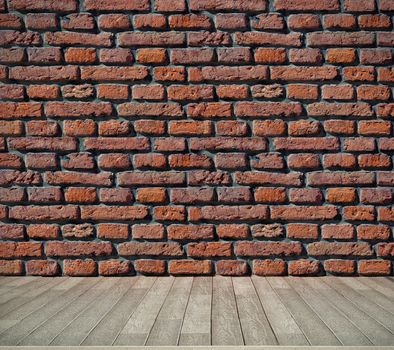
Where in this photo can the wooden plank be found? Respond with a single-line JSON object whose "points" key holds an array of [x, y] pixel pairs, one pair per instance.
{"points": [[22, 290], [375, 332], [83, 294], [138, 327], [77, 329], [167, 327], [226, 327], [55, 299], [255, 326], [380, 284], [196, 327], [206, 348], [371, 308], [13, 283], [283, 324], [313, 327], [345, 331], [370, 293], [22, 306], [108, 329]]}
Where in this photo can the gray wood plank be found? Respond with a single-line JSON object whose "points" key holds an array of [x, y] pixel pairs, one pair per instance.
{"points": [[167, 327], [76, 331], [345, 331], [196, 327], [255, 326], [85, 293], [378, 334], [22, 306], [226, 327], [7, 284], [138, 327], [313, 327], [370, 293], [283, 324], [108, 329], [54, 299], [381, 285], [23, 291], [370, 307]]}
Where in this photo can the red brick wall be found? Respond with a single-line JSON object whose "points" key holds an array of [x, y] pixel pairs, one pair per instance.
{"points": [[165, 137]]}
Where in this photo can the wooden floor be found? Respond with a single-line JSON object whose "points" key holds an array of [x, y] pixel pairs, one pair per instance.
{"points": [[189, 311]]}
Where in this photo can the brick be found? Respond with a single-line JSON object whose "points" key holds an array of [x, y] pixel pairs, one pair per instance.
{"points": [[231, 160], [191, 195], [267, 267], [302, 56], [340, 267], [329, 39], [303, 91], [339, 21], [303, 22], [78, 109], [149, 249], [270, 195], [376, 56], [115, 195], [114, 22], [20, 250], [341, 56], [339, 249], [113, 92], [269, 127], [304, 5], [42, 268], [356, 6], [340, 178], [359, 213], [79, 267], [284, 73], [270, 56], [231, 268], [273, 39], [267, 178], [77, 178], [217, 5], [80, 21], [170, 6], [41, 21], [113, 213], [151, 195], [113, 73], [190, 232], [303, 267], [268, 231], [11, 267], [169, 213], [150, 21], [306, 195], [341, 195], [374, 267], [206, 38], [232, 231], [131, 39], [115, 56], [373, 232], [150, 267], [338, 232], [122, 5], [79, 55], [190, 267], [114, 267], [211, 249], [43, 231], [82, 39], [113, 231], [11, 232], [44, 6], [231, 21], [257, 249], [228, 213]]}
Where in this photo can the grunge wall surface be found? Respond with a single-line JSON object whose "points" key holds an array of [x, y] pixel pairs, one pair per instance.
{"points": [[200, 137]]}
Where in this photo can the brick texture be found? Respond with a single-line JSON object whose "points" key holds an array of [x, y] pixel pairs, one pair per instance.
{"points": [[196, 137]]}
